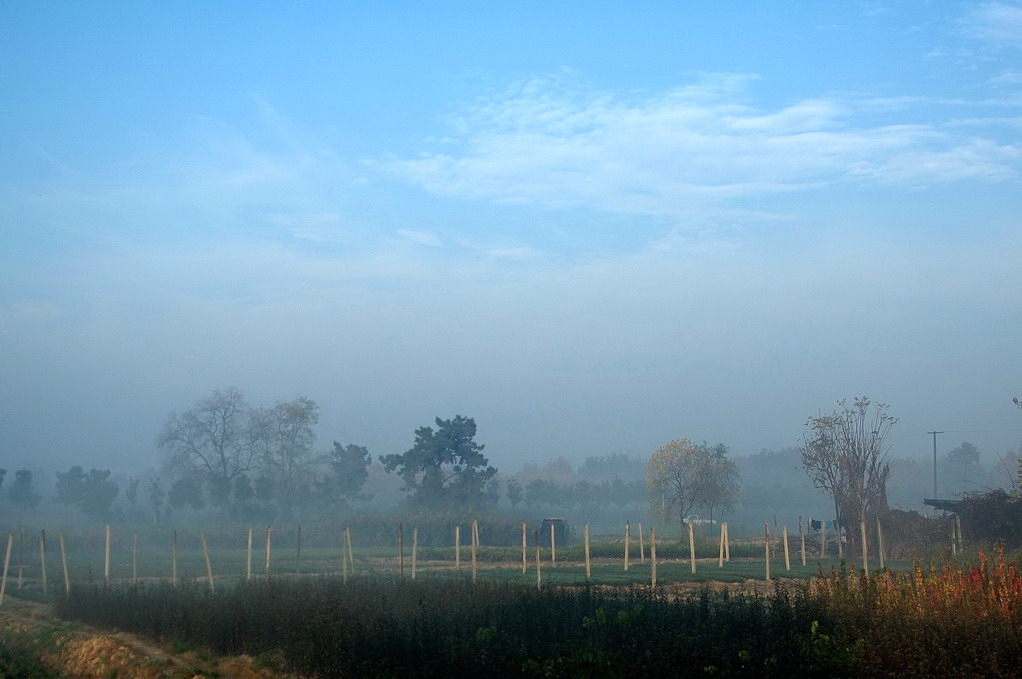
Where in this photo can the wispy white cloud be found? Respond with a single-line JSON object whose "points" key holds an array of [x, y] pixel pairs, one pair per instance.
{"points": [[321, 227], [997, 22], [512, 252], [209, 178], [976, 159], [876, 9], [420, 237], [687, 151]]}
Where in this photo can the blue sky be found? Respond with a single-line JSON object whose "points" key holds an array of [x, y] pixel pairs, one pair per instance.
{"points": [[592, 230]]}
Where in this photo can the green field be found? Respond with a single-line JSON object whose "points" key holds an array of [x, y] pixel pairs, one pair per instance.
{"points": [[230, 565]]}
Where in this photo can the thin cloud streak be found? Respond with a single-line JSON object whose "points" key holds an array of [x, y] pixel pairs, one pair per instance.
{"points": [[689, 152], [999, 23]]}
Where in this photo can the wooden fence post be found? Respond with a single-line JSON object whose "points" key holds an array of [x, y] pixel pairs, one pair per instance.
{"points": [[585, 539], [173, 558], [727, 542], [628, 539], [401, 549], [248, 556], [475, 547], [269, 536], [880, 543], [642, 548], [525, 561], [63, 562], [766, 547], [351, 552], [692, 545], [553, 546], [720, 558], [787, 557], [205, 554], [42, 557], [457, 547], [802, 541], [652, 555], [415, 548], [344, 555], [7, 564], [539, 568], [106, 558]]}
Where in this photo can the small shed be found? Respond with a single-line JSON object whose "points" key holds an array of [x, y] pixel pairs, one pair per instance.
{"points": [[560, 527], [946, 505]]}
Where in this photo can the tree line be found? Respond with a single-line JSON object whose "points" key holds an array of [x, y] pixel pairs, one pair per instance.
{"points": [[230, 455], [261, 463], [242, 458]]}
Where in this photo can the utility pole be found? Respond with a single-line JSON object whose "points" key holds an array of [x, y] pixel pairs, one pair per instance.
{"points": [[934, 461]]}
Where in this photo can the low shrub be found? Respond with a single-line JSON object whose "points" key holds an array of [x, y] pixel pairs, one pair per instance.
{"points": [[450, 627]]}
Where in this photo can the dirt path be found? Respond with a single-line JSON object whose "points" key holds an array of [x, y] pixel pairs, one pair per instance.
{"points": [[82, 652]]}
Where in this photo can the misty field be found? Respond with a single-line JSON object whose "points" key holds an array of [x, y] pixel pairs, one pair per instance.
{"points": [[156, 555], [428, 612]]}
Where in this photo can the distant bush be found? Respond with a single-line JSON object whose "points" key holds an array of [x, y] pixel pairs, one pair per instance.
{"points": [[988, 517], [910, 534]]}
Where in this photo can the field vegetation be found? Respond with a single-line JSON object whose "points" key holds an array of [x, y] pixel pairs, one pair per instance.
{"points": [[926, 621]]}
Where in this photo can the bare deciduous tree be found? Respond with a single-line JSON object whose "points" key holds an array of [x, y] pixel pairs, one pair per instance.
{"points": [[844, 454], [214, 440]]}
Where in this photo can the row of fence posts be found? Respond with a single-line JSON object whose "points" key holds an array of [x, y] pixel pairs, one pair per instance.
{"points": [[347, 555], [725, 545], [348, 559], [955, 538], [42, 563], [587, 552]]}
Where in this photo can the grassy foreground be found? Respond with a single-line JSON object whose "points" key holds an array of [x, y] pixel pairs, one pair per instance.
{"points": [[926, 623]]}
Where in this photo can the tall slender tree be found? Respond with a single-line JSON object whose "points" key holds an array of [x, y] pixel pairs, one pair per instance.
{"points": [[846, 455], [70, 487], [285, 439], [155, 494], [22, 493], [719, 480]]}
